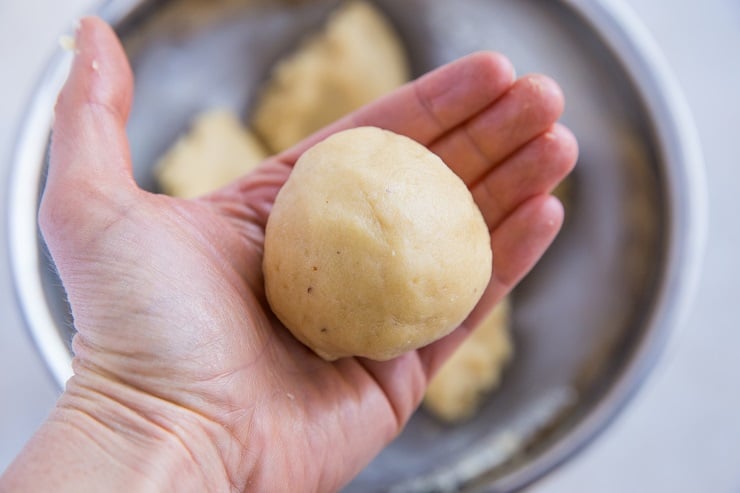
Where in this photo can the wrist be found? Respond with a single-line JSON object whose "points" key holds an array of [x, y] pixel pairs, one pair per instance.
{"points": [[166, 445], [112, 437]]}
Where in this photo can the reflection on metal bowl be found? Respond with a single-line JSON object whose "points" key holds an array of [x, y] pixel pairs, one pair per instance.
{"points": [[589, 321]]}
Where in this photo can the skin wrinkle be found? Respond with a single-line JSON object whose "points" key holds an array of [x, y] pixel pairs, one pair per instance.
{"points": [[465, 132], [428, 106], [319, 442], [398, 417], [93, 438], [531, 177], [244, 455], [207, 247], [533, 150], [96, 437], [528, 122], [61, 219], [474, 145], [406, 399], [252, 218], [356, 400], [87, 432], [500, 85], [99, 113], [95, 105], [179, 432], [132, 382], [171, 428]]}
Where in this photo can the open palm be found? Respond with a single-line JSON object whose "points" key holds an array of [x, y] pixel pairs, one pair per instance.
{"points": [[167, 294]]}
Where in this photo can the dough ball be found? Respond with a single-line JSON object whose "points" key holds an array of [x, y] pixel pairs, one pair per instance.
{"points": [[455, 392], [374, 247], [216, 151], [357, 58]]}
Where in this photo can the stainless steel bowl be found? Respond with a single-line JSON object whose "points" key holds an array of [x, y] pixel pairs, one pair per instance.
{"points": [[589, 321]]}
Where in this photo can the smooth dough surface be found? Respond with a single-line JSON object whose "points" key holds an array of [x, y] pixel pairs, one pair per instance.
{"points": [[374, 247], [473, 370], [215, 151], [354, 60]]}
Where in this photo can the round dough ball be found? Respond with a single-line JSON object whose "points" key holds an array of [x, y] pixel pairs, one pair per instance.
{"points": [[374, 247]]}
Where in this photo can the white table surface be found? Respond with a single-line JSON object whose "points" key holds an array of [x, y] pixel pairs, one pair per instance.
{"points": [[682, 431]]}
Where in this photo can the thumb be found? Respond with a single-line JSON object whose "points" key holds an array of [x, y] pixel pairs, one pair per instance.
{"points": [[89, 165]]}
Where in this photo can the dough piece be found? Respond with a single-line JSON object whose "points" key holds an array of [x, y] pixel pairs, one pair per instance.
{"points": [[374, 247], [216, 151], [455, 392], [357, 58]]}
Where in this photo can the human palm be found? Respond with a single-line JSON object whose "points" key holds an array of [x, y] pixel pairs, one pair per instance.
{"points": [[167, 294]]}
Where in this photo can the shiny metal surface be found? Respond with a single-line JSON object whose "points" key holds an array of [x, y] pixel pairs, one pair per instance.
{"points": [[593, 315]]}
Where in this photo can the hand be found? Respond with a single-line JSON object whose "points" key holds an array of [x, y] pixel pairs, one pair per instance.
{"points": [[182, 375]]}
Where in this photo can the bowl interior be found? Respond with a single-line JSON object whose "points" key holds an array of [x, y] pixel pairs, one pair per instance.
{"points": [[578, 317]]}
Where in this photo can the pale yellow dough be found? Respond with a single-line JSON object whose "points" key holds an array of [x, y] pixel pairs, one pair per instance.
{"points": [[374, 247], [474, 370], [354, 60], [215, 151]]}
